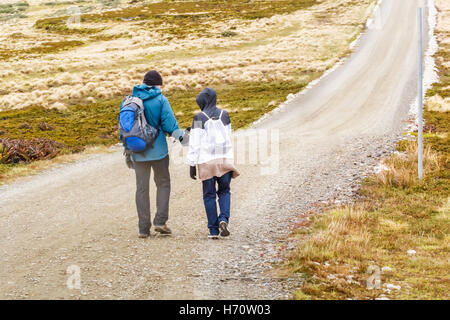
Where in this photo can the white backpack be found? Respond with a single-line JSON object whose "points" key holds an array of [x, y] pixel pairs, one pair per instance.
{"points": [[217, 133]]}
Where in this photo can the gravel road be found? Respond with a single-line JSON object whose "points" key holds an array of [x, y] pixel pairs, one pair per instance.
{"points": [[83, 214]]}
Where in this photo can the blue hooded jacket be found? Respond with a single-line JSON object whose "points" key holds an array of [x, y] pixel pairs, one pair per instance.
{"points": [[158, 112]]}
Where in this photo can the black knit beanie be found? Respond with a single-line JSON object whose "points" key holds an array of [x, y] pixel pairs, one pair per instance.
{"points": [[153, 78]]}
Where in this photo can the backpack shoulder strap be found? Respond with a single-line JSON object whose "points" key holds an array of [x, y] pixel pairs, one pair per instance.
{"points": [[141, 110], [136, 100], [206, 115]]}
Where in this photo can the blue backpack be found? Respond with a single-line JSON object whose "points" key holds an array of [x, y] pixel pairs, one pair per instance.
{"points": [[134, 131]]}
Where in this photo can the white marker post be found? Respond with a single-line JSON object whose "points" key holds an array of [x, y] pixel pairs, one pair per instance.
{"points": [[420, 95]]}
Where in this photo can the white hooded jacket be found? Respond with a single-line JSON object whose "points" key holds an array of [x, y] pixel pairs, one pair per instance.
{"points": [[210, 136]]}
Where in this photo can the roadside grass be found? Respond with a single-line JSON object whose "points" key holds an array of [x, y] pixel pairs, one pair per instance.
{"points": [[96, 123], [397, 213]]}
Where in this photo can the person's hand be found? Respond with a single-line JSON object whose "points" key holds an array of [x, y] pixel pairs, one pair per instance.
{"points": [[128, 161], [193, 172], [184, 139]]}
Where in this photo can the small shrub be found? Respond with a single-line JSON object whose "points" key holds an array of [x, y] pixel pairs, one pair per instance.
{"points": [[25, 125], [19, 150]]}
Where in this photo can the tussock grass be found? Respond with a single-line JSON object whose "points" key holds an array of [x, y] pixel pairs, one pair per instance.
{"points": [[76, 126], [254, 53], [59, 25], [13, 10], [402, 171], [343, 232], [85, 125]]}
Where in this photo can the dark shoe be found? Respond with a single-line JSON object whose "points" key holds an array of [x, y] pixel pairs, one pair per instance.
{"points": [[144, 235], [223, 226], [164, 230], [213, 236]]}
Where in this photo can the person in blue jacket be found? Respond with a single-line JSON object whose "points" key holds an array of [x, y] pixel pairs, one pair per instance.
{"points": [[158, 114]]}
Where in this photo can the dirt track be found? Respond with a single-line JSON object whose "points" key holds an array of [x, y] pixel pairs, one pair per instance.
{"points": [[84, 214]]}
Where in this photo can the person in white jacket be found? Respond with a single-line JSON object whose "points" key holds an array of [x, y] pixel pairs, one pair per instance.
{"points": [[211, 150]]}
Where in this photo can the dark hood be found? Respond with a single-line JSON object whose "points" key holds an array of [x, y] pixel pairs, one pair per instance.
{"points": [[207, 100]]}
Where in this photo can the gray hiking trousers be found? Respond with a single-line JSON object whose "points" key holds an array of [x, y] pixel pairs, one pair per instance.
{"points": [[162, 181]]}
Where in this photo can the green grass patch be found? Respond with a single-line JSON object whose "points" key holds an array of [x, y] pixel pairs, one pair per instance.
{"points": [[76, 127]]}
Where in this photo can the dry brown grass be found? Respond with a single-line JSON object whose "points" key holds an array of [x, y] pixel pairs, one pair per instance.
{"points": [[342, 232]]}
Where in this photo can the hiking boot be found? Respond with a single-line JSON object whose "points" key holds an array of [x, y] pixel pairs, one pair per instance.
{"points": [[213, 236], [163, 230], [144, 235], [223, 226]]}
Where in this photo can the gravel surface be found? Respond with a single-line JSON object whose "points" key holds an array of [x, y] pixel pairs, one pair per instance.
{"points": [[83, 214]]}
